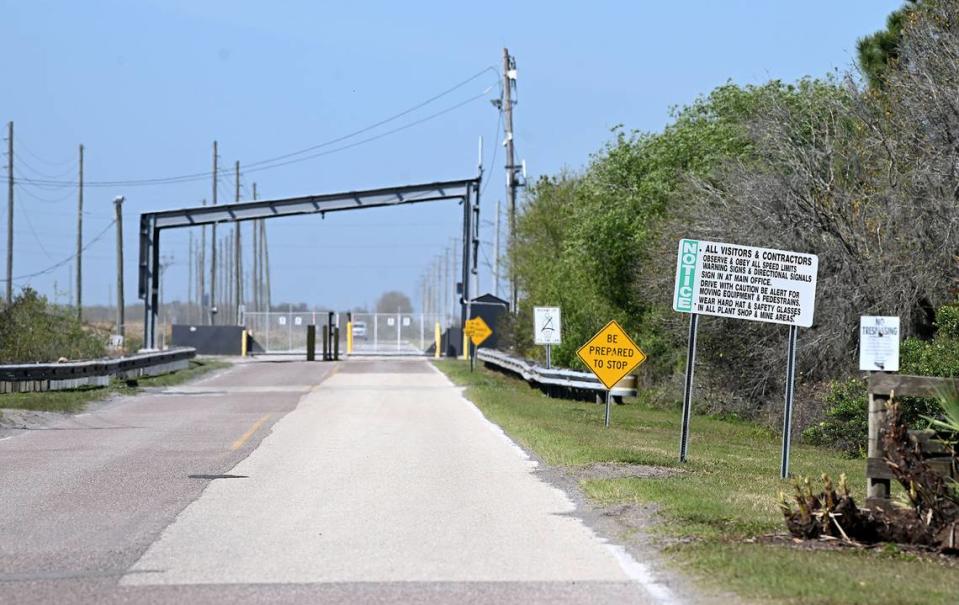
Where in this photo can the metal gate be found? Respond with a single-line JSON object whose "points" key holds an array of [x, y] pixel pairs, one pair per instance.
{"points": [[395, 333], [279, 331]]}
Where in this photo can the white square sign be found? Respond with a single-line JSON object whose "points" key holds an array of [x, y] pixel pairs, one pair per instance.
{"points": [[547, 326], [390, 321], [746, 282], [406, 322], [878, 344], [297, 321], [281, 320]]}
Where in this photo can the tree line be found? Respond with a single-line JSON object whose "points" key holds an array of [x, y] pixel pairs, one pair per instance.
{"points": [[860, 168]]}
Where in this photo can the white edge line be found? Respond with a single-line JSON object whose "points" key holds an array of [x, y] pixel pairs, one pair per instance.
{"points": [[636, 571]]}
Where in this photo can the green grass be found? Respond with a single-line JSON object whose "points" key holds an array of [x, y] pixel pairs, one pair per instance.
{"points": [[726, 493], [76, 400]]}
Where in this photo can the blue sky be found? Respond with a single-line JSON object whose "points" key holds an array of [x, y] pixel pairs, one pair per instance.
{"points": [[147, 87]]}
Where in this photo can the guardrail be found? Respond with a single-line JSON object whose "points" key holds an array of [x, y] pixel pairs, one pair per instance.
{"points": [[24, 378], [557, 382]]}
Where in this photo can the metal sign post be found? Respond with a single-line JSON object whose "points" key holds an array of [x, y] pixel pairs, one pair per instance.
{"points": [[744, 282], [688, 389], [477, 331], [611, 355], [547, 330], [608, 391], [788, 411]]}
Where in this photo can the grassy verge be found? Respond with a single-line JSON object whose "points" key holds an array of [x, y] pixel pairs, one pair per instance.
{"points": [[75, 400], [724, 495]]}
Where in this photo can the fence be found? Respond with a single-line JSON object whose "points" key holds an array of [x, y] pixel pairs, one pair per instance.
{"points": [[22, 378], [394, 333], [282, 331], [882, 388]]}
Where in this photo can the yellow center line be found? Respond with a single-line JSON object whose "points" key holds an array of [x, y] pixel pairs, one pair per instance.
{"points": [[243, 438]]}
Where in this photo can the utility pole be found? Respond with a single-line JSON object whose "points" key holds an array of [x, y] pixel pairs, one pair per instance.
{"points": [[118, 209], [509, 80], [255, 273], [213, 308], [449, 297], [440, 290], [80, 240], [224, 273], [9, 212], [496, 253], [238, 252], [266, 267], [201, 273], [190, 285], [229, 290]]}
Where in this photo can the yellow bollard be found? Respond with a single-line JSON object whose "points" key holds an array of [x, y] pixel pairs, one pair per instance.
{"points": [[349, 338], [438, 338], [243, 344], [466, 345]]}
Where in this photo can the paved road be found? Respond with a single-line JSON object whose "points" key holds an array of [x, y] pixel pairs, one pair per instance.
{"points": [[365, 481]]}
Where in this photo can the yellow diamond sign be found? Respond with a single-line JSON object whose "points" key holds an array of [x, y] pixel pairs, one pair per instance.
{"points": [[477, 330], [611, 354]]}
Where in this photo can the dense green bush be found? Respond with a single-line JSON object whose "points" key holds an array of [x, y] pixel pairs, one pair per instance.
{"points": [[34, 330], [846, 424]]}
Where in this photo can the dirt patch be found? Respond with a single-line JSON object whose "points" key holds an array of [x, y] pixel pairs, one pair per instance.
{"points": [[614, 470], [13, 420], [880, 548]]}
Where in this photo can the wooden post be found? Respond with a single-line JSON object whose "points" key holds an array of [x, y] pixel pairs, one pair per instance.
{"points": [[877, 473]]}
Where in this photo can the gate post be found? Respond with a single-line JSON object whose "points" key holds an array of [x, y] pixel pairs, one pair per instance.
{"points": [[311, 342], [326, 343]]}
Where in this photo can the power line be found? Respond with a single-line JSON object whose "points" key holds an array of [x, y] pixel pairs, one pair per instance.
{"points": [[496, 144], [53, 268], [22, 162], [278, 161], [377, 124], [21, 147], [24, 189], [377, 137], [26, 216]]}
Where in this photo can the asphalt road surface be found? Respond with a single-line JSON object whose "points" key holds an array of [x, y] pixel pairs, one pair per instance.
{"points": [[362, 481]]}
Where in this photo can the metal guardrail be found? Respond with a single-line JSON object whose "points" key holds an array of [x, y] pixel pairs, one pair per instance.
{"points": [[22, 378], [557, 381]]}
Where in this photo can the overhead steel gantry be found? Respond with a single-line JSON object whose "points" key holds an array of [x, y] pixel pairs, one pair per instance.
{"points": [[466, 192]]}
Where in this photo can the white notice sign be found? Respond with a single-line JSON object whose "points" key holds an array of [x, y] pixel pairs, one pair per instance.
{"points": [[745, 282], [547, 327], [878, 344]]}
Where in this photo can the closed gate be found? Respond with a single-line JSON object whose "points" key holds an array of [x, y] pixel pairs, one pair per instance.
{"points": [[395, 333], [279, 331]]}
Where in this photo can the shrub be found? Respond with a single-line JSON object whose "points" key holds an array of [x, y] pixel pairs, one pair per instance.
{"points": [[846, 424], [34, 330]]}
